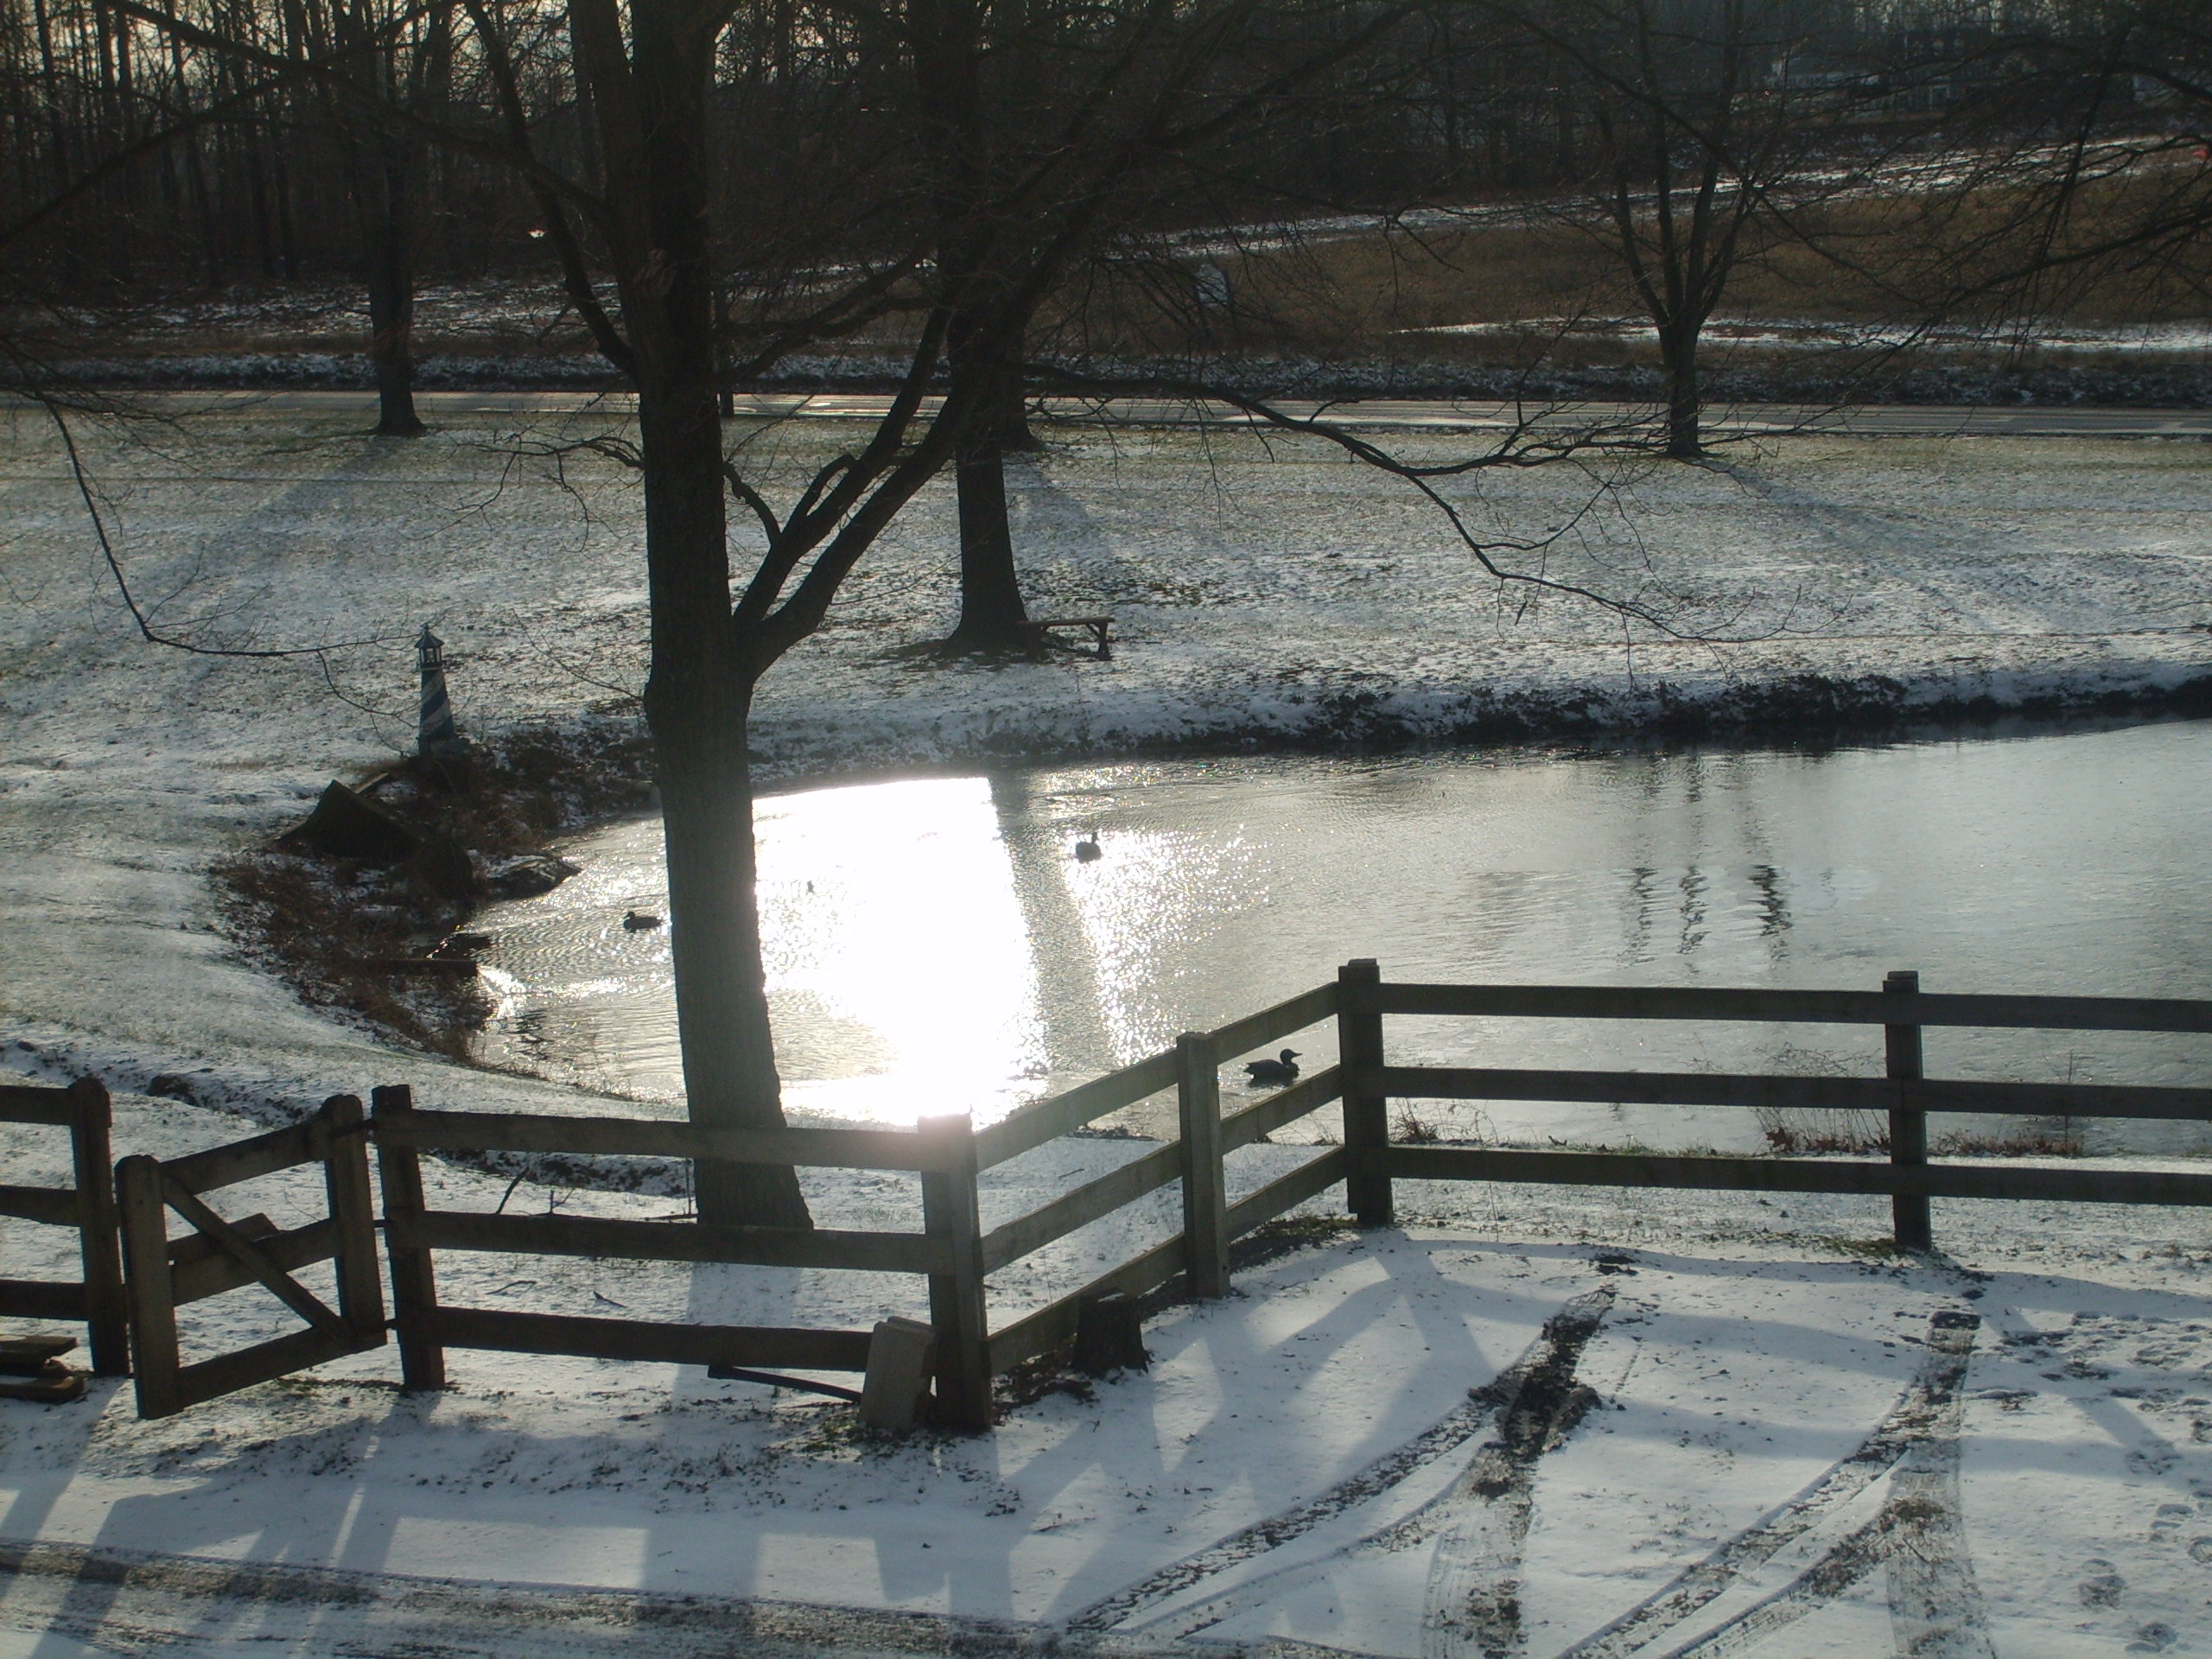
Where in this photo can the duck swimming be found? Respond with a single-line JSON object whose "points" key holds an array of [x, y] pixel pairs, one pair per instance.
{"points": [[638, 921], [1087, 848], [1284, 1070]]}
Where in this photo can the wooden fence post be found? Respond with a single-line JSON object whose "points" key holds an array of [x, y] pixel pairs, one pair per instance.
{"points": [[146, 1265], [1205, 1191], [951, 1214], [414, 1282], [346, 1179], [1910, 1226], [106, 1311], [1367, 1117]]}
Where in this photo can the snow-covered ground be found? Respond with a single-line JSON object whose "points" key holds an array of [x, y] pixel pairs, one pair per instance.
{"points": [[1521, 1424], [2173, 339], [2050, 1502]]}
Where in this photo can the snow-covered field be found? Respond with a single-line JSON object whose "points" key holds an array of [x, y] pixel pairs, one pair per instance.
{"points": [[2048, 1499], [1782, 1450]]}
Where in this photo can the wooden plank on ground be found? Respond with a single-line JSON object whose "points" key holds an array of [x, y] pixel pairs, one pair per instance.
{"points": [[1046, 1120], [1085, 1204], [1316, 1175], [631, 1137], [2042, 1182], [1271, 1024], [668, 1241], [41, 1298], [1806, 1008], [242, 1160], [56, 1206], [649, 1340], [1241, 1128], [29, 1103]]}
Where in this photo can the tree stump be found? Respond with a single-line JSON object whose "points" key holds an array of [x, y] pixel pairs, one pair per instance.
{"points": [[1110, 1336]]}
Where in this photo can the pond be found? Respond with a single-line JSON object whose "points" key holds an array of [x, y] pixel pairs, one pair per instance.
{"points": [[934, 945]]}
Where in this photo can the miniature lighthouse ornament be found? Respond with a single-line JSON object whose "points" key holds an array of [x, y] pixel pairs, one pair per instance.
{"points": [[436, 733]]}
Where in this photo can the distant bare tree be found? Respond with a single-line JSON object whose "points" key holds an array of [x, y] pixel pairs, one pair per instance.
{"points": [[399, 60], [1707, 128]]}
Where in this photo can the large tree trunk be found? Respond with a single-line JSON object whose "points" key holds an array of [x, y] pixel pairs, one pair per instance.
{"points": [[697, 702], [991, 608], [721, 1005], [1678, 346], [649, 94], [391, 311]]}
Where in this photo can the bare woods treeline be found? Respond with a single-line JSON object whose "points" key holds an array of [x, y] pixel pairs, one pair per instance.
{"points": [[170, 147]]}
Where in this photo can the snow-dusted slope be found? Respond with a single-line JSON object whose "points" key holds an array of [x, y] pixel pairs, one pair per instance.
{"points": [[1262, 591], [2051, 1493]]}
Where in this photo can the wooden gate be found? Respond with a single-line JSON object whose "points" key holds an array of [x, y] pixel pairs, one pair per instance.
{"points": [[220, 1255], [89, 1206]]}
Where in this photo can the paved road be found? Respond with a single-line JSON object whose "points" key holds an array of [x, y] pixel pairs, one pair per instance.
{"points": [[1397, 414]]}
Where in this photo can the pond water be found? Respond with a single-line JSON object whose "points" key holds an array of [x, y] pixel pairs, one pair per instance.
{"points": [[934, 945]]}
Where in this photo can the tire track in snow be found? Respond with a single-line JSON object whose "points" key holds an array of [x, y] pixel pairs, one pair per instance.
{"points": [[1936, 1604], [1472, 1610], [1931, 1400], [1526, 1401]]}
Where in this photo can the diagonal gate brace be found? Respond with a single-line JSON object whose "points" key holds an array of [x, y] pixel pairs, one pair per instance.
{"points": [[249, 1255]]}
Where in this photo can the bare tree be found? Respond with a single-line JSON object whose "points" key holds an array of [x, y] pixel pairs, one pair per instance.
{"points": [[1696, 124], [1170, 76], [400, 60]]}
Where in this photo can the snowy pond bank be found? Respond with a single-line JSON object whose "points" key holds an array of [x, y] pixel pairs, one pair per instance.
{"points": [[1266, 594]]}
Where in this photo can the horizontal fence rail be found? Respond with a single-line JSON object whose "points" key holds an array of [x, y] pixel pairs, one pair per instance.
{"points": [[1030, 1126], [631, 1137], [1800, 1007], [1784, 1093], [666, 1241], [1720, 1174]]}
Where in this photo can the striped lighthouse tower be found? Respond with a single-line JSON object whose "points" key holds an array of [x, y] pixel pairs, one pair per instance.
{"points": [[436, 733]]}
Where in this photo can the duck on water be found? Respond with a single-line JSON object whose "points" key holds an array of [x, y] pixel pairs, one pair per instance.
{"points": [[1282, 1070]]}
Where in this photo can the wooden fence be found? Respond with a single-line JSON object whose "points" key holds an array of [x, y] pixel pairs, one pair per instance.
{"points": [[1368, 1163], [942, 1151], [220, 1254], [952, 1251], [1196, 1158], [89, 1206], [957, 1256], [1904, 1093]]}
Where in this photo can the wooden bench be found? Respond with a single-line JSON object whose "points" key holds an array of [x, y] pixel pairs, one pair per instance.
{"points": [[1101, 627]]}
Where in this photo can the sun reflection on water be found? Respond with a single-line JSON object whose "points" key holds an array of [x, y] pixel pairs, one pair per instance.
{"points": [[933, 945], [889, 908]]}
